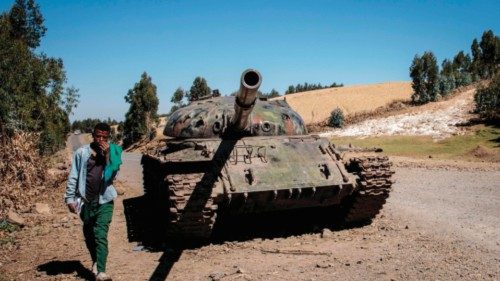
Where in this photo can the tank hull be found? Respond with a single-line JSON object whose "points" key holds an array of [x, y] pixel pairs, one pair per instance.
{"points": [[195, 180]]}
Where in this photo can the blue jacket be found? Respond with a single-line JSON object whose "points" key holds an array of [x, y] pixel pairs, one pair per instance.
{"points": [[78, 177]]}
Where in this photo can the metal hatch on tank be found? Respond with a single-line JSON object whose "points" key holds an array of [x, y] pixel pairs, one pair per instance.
{"points": [[241, 154]]}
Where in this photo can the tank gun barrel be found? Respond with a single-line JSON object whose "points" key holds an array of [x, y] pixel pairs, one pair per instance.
{"points": [[245, 98]]}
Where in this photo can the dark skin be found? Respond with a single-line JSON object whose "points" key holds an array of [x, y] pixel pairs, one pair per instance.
{"points": [[100, 145]]}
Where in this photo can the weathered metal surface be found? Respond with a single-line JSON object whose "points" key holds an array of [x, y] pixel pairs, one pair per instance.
{"points": [[245, 98], [250, 156], [212, 118]]}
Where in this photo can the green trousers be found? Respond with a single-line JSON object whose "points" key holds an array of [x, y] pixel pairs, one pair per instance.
{"points": [[96, 219]]}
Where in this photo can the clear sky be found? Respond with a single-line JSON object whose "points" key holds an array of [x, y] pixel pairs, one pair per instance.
{"points": [[106, 45]]}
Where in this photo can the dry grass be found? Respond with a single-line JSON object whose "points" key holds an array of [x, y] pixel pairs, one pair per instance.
{"points": [[316, 106], [25, 176]]}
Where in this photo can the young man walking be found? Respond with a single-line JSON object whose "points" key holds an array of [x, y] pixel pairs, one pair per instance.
{"points": [[90, 193]]}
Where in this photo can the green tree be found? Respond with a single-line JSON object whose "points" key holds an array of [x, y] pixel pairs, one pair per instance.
{"points": [[27, 23], [290, 90], [447, 68], [178, 97], [272, 94], [143, 111], [199, 89], [446, 79], [424, 74], [476, 64], [461, 68], [497, 51], [487, 99], [32, 85], [461, 62], [446, 84], [488, 52]]}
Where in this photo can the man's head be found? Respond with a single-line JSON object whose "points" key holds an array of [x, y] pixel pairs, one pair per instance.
{"points": [[101, 133]]}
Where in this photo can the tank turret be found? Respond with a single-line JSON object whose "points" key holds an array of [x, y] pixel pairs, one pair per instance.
{"points": [[241, 115]]}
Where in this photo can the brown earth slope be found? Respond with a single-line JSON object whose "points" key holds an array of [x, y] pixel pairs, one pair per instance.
{"points": [[316, 106]]}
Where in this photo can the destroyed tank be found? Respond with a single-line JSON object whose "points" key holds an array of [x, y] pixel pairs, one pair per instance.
{"points": [[242, 155]]}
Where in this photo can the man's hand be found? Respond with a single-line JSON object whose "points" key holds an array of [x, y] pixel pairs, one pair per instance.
{"points": [[104, 146], [72, 207]]}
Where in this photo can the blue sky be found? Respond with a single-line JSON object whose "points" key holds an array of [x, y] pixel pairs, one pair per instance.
{"points": [[106, 45]]}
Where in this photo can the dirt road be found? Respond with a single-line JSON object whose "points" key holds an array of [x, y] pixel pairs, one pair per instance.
{"points": [[439, 224]]}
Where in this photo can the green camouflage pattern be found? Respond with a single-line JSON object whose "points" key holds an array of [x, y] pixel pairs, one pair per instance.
{"points": [[208, 119]]}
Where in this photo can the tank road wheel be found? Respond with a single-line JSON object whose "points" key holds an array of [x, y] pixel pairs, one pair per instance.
{"points": [[192, 208], [374, 184]]}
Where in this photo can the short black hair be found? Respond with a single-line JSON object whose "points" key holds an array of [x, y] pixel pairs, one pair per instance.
{"points": [[102, 127]]}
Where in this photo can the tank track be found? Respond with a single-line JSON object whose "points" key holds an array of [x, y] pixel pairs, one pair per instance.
{"points": [[192, 208], [374, 180]]}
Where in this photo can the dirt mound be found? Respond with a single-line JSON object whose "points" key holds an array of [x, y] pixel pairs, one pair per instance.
{"points": [[485, 153]]}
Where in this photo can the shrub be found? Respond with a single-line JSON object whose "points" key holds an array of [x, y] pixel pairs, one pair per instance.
{"points": [[336, 119]]}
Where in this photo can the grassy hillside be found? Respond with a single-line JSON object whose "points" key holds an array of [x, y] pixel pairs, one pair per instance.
{"points": [[482, 143]]}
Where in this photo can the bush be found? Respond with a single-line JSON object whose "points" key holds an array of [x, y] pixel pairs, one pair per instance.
{"points": [[336, 119]]}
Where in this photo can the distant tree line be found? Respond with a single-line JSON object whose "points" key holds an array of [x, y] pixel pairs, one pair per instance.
{"points": [[87, 125], [272, 94], [429, 82], [33, 92], [309, 87]]}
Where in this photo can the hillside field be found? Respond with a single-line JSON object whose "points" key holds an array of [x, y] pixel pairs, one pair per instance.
{"points": [[316, 106]]}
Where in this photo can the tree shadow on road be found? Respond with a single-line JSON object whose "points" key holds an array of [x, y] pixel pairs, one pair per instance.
{"points": [[165, 264], [57, 267]]}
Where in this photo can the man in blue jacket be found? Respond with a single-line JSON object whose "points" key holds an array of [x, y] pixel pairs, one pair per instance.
{"points": [[90, 193]]}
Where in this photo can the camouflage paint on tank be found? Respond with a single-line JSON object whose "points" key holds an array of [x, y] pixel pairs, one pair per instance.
{"points": [[210, 118]]}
